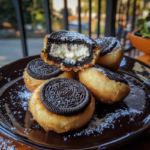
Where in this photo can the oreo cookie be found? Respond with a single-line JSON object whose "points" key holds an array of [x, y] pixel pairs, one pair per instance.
{"points": [[118, 77], [64, 96], [38, 69], [107, 44], [70, 38]]}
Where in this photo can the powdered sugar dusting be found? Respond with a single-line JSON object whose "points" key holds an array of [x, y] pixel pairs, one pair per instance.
{"points": [[4, 144], [76, 36], [101, 70], [24, 94], [66, 60], [71, 36], [24, 98], [118, 45], [107, 42], [101, 40], [99, 124]]}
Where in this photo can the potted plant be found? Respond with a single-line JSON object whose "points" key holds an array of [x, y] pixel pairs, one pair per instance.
{"points": [[140, 38]]}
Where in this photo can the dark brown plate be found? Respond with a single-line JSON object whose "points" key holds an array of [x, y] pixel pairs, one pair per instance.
{"points": [[111, 126]]}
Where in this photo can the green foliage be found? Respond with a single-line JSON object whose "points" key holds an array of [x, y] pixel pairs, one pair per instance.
{"points": [[85, 6], [144, 28], [35, 9], [26, 13], [102, 29], [33, 12], [8, 13]]}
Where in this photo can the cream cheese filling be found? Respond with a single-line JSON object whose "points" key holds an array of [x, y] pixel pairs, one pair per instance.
{"points": [[69, 52]]}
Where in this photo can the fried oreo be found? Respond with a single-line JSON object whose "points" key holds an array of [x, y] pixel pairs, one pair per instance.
{"points": [[107, 86], [111, 52], [106, 44], [38, 72], [70, 50], [62, 105]]}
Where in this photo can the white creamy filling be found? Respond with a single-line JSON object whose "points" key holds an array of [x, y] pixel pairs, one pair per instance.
{"points": [[69, 52]]}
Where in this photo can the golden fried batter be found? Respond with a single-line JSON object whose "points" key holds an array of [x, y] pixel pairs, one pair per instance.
{"points": [[45, 40], [60, 124], [104, 89]]}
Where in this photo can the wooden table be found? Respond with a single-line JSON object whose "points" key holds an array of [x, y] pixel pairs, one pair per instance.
{"points": [[141, 143]]}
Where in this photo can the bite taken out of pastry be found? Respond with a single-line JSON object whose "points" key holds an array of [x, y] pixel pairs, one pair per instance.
{"points": [[38, 72], [106, 86], [111, 53], [70, 50], [62, 105]]}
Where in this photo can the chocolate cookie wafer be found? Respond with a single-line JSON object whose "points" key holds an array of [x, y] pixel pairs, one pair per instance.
{"points": [[107, 44], [70, 50], [38, 69], [118, 77], [65, 97], [38, 72]]}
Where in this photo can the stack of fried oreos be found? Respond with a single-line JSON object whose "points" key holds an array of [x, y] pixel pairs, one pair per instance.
{"points": [[74, 72]]}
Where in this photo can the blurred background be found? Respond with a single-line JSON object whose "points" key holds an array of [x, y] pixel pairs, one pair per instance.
{"points": [[35, 23]]}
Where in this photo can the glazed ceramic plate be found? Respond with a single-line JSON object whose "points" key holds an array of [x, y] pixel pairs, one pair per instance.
{"points": [[111, 125]]}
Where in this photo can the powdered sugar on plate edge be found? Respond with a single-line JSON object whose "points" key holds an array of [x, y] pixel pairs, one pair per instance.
{"points": [[99, 124]]}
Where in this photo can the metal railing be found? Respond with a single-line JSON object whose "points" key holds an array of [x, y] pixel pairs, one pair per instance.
{"points": [[124, 10], [109, 27]]}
